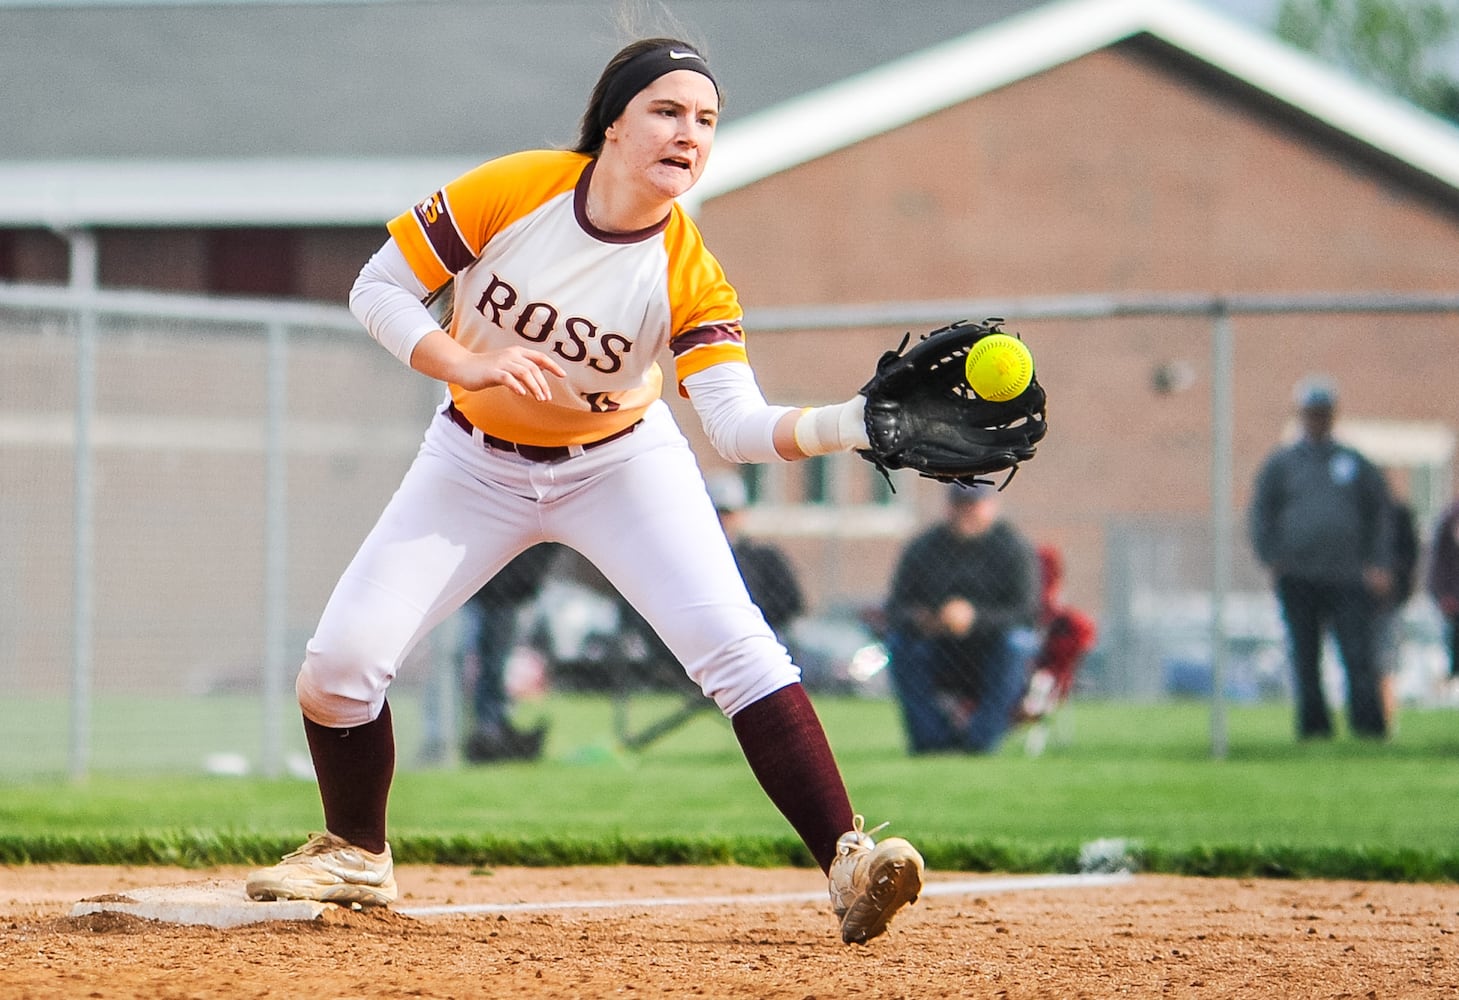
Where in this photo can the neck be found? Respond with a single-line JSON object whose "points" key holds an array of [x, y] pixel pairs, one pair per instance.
{"points": [[615, 207]]}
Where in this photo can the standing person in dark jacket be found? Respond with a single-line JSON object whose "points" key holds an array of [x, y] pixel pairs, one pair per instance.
{"points": [[1319, 522], [1443, 578], [962, 616]]}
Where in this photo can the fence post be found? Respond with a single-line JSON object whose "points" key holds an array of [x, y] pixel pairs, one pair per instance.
{"points": [[276, 541], [83, 263], [1222, 422]]}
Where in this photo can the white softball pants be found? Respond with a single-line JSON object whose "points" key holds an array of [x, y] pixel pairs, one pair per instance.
{"points": [[636, 508]]}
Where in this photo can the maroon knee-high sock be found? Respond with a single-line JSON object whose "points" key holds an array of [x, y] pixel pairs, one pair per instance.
{"points": [[354, 768], [786, 747]]}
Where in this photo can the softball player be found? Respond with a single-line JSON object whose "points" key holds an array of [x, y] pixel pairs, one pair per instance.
{"points": [[569, 272]]}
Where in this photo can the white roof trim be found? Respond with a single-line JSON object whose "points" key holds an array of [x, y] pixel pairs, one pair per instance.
{"points": [[65, 194], [920, 84]]}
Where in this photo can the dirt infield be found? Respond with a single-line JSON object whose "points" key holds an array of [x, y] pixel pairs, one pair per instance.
{"points": [[1146, 937]]}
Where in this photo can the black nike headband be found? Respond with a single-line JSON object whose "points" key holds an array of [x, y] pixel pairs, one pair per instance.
{"points": [[642, 70]]}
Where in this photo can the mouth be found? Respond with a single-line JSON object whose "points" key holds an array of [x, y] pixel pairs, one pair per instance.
{"points": [[676, 161]]}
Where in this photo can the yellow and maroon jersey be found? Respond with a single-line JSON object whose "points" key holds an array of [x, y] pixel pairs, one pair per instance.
{"points": [[531, 270]]}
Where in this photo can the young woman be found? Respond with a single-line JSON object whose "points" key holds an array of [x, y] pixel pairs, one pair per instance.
{"points": [[569, 272]]}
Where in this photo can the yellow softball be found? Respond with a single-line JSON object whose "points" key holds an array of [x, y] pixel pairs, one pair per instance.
{"points": [[999, 367]]}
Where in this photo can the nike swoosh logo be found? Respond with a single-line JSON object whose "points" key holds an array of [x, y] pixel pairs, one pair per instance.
{"points": [[676, 54]]}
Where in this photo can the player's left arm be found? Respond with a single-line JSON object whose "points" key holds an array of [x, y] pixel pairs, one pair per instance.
{"points": [[743, 427], [713, 368]]}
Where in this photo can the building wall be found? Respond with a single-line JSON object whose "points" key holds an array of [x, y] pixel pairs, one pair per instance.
{"points": [[1110, 174]]}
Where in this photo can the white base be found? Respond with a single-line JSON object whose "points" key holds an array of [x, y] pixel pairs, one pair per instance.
{"points": [[213, 903]]}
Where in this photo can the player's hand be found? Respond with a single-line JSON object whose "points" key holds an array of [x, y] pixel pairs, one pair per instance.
{"points": [[957, 616], [519, 369]]}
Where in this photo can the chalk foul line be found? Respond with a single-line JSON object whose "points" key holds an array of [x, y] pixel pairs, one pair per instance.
{"points": [[969, 887]]}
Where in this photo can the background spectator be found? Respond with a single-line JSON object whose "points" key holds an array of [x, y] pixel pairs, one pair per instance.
{"points": [[489, 631], [1443, 579], [1391, 602], [1319, 521], [1066, 635], [961, 616], [766, 570]]}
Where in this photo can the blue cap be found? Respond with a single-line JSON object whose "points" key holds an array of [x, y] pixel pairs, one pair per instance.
{"points": [[1316, 392]]}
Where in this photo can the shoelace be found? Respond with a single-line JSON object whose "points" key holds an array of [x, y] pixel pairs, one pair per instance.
{"points": [[858, 837], [318, 843]]}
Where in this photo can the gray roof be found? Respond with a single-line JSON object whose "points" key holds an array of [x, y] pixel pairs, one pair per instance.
{"points": [[403, 79], [340, 113]]}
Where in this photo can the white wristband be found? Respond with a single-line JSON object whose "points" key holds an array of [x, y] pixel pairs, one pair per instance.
{"points": [[821, 430]]}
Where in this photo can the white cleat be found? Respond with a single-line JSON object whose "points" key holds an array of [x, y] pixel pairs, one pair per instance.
{"points": [[871, 881], [329, 870]]}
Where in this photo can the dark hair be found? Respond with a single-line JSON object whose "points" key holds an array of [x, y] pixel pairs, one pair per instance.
{"points": [[599, 115]]}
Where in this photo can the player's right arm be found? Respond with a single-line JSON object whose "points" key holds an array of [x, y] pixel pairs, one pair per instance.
{"points": [[519, 369], [387, 298]]}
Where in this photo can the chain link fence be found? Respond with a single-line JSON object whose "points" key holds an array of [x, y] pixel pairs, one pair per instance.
{"points": [[185, 478]]}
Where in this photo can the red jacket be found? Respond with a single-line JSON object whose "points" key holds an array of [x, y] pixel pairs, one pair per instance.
{"points": [[1068, 633]]}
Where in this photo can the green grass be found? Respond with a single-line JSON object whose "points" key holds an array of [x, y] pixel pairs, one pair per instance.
{"points": [[1138, 773]]}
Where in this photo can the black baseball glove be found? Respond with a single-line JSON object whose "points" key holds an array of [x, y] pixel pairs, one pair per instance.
{"points": [[921, 414]]}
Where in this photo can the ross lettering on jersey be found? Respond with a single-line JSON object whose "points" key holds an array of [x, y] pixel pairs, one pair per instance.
{"points": [[498, 296], [611, 361], [706, 336], [575, 338], [536, 322], [434, 216], [578, 332]]}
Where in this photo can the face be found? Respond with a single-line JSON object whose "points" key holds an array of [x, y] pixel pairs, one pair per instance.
{"points": [[974, 516], [1317, 421], [663, 137]]}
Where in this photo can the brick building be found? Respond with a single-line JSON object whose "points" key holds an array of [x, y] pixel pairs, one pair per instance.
{"points": [[1000, 154]]}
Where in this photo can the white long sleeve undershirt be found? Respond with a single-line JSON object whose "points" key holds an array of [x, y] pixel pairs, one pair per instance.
{"points": [[386, 298], [738, 421]]}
